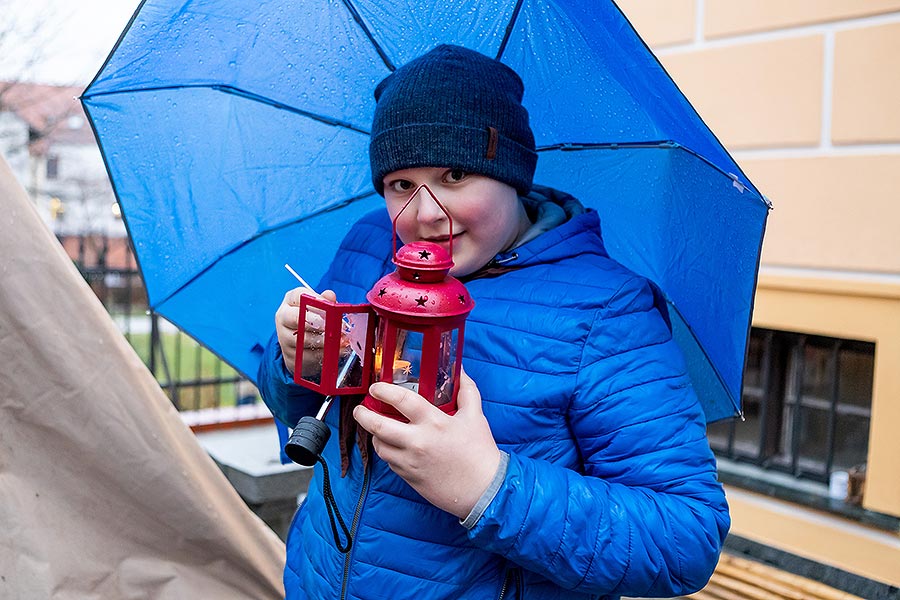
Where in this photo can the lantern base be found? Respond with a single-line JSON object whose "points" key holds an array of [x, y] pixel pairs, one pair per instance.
{"points": [[389, 411], [307, 441]]}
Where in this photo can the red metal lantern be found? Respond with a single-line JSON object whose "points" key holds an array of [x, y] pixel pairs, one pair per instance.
{"points": [[417, 337], [422, 313]]}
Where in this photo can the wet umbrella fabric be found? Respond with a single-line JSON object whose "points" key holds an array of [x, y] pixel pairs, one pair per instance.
{"points": [[235, 135]]}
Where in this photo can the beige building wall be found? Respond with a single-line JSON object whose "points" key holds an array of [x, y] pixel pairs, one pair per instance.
{"points": [[805, 94]]}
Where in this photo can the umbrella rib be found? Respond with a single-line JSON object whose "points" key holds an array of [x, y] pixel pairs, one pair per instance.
{"points": [[227, 89], [365, 29], [734, 403], [661, 144], [237, 247], [573, 146], [509, 28], [275, 104]]}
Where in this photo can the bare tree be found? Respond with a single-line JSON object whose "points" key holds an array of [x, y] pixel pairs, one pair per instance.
{"points": [[25, 35], [31, 113]]}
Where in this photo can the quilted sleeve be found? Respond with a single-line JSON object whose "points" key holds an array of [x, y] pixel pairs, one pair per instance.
{"points": [[647, 516], [287, 400]]}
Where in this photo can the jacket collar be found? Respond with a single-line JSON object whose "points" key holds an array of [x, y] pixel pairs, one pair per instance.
{"points": [[576, 231]]}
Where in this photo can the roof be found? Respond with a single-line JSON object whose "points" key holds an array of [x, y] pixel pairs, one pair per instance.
{"points": [[52, 112]]}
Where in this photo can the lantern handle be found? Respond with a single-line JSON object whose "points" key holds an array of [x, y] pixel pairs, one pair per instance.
{"points": [[410, 199]]}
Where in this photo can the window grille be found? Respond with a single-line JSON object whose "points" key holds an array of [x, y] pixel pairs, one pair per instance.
{"points": [[807, 405]]}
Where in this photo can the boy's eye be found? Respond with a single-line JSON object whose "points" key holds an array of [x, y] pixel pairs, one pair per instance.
{"points": [[455, 176], [401, 185]]}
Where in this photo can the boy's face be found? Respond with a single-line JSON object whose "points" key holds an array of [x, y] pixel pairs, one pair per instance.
{"points": [[487, 214]]}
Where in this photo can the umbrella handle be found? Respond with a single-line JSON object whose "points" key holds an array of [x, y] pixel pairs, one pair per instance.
{"points": [[410, 199]]}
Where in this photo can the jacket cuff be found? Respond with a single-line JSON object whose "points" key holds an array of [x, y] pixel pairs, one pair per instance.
{"points": [[488, 496], [280, 372]]}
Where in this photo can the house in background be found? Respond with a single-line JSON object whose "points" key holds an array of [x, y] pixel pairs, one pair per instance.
{"points": [[806, 97], [46, 139]]}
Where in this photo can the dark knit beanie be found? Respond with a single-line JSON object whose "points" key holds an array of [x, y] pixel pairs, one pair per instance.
{"points": [[453, 107]]}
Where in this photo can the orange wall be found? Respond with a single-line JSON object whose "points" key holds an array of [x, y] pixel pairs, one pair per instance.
{"points": [[805, 95]]}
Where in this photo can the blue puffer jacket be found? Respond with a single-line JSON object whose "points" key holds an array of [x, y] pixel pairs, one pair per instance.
{"points": [[611, 487]]}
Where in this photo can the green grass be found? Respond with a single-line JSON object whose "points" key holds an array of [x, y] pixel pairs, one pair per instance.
{"points": [[188, 362]]}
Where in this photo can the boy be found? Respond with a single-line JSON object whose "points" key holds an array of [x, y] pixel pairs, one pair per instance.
{"points": [[578, 465]]}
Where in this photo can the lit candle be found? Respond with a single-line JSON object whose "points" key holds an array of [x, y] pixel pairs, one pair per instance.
{"points": [[402, 369], [377, 360]]}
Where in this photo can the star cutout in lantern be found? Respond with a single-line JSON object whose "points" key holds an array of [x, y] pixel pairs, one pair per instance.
{"points": [[382, 292], [421, 300], [424, 254]]}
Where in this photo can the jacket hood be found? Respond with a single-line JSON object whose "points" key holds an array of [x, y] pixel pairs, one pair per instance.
{"points": [[579, 233]]}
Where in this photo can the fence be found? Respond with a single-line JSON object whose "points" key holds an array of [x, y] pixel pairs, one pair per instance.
{"points": [[202, 386]]}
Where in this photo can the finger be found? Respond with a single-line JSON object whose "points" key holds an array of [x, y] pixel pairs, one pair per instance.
{"points": [[288, 348], [288, 319], [410, 404], [314, 340], [394, 456], [389, 452], [385, 428], [313, 321], [469, 398], [328, 295], [292, 297], [287, 339]]}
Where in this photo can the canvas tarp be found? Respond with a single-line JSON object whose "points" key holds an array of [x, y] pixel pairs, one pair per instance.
{"points": [[104, 493]]}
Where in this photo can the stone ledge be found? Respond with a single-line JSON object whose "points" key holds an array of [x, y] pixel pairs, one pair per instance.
{"points": [[249, 456]]}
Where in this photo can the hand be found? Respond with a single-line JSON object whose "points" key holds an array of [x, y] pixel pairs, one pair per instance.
{"points": [[286, 321], [450, 461]]}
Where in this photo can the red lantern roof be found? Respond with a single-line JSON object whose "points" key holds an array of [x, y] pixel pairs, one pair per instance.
{"points": [[421, 286], [423, 261]]}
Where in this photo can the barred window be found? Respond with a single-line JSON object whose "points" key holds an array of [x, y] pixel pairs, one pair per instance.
{"points": [[807, 405]]}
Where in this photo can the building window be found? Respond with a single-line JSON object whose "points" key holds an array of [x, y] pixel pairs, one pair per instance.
{"points": [[52, 166], [807, 405]]}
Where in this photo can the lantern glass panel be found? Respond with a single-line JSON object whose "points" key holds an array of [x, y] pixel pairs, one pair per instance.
{"points": [[354, 327], [446, 370], [408, 362], [311, 344]]}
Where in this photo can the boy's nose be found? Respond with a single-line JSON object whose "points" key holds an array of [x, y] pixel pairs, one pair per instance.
{"points": [[427, 210]]}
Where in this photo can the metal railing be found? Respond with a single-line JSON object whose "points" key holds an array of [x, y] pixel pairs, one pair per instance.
{"points": [[193, 377]]}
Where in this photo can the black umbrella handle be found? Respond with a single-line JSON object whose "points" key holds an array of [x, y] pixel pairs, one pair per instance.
{"points": [[307, 441]]}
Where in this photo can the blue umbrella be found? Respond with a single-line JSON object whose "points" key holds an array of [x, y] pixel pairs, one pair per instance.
{"points": [[235, 135]]}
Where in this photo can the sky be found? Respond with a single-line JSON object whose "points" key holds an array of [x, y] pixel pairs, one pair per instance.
{"points": [[68, 40]]}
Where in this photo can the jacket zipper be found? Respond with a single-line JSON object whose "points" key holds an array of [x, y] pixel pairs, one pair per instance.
{"points": [[514, 573], [505, 585], [499, 262], [353, 526]]}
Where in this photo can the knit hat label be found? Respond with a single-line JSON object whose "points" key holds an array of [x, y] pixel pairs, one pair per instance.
{"points": [[492, 144]]}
